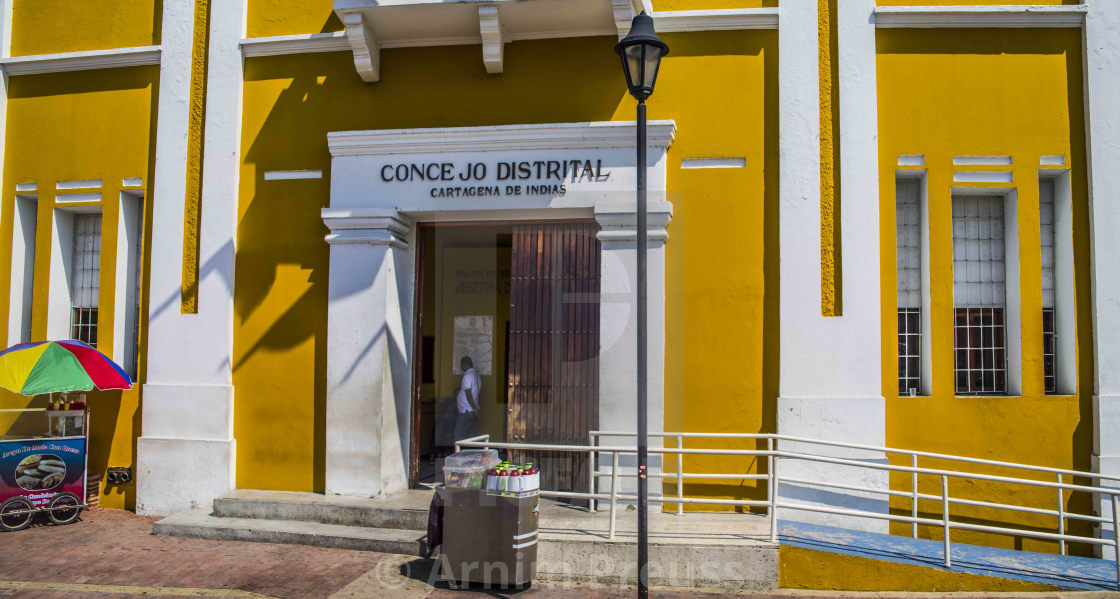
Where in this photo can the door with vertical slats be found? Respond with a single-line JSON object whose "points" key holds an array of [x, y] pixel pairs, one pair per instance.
{"points": [[554, 347]]}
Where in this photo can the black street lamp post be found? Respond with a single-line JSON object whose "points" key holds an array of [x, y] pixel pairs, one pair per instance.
{"points": [[641, 51]]}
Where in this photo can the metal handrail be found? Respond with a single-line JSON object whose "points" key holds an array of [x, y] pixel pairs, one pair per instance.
{"points": [[846, 445], [774, 456]]}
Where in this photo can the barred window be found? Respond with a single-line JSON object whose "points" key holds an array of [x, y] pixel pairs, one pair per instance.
{"points": [[909, 270], [1049, 332], [85, 278], [979, 296]]}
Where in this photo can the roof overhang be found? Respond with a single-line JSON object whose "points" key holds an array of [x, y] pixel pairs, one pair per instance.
{"points": [[375, 24]]}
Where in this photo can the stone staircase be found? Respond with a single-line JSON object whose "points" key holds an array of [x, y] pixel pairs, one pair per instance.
{"points": [[697, 550]]}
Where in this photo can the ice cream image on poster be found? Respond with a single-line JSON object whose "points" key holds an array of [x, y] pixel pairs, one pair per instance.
{"points": [[40, 472]]}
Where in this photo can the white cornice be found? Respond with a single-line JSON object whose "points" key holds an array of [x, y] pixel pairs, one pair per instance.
{"points": [[716, 20], [618, 221], [366, 226], [980, 16], [557, 136], [81, 61], [672, 21], [334, 41]]}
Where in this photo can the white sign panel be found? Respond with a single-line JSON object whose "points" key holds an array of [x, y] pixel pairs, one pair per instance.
{"points": [[474, 337]]}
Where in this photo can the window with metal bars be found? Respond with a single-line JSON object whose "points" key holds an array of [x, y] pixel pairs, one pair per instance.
{"points": [[85, 278], [1049, 351], [908, 259], [1046, 241], [979, 296], [909, 351]]}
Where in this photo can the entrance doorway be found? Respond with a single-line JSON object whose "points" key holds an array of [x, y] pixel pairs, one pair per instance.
{"points": [[521, 300]]}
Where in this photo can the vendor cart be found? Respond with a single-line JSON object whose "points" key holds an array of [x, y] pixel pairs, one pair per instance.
{"points": [[43, 450], [42, 465]]}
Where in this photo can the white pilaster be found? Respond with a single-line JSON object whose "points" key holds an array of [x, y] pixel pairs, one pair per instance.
{"points": [[189, 364], [369, 350], [1102, 87], [618, 359], [830, 367], [15, 323]]}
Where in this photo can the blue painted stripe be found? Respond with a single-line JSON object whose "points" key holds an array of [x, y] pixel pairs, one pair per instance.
{"points": [[1045, 568]]}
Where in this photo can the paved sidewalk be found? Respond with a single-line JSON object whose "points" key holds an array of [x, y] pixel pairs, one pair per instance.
{"points": [[113, 554]]}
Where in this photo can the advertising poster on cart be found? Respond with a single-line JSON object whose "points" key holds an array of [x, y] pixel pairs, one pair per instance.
{"points": [[39, 469]]}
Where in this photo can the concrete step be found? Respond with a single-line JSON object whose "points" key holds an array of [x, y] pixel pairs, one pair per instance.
{"points": [[200, 524], [560, 557], [720, 550], [400, 513]]}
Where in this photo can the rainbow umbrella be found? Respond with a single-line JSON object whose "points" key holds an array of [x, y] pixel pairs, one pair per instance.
{"points": [[58, 366]]}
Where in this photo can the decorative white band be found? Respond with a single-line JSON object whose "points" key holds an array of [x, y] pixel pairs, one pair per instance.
{"points": [[81, 61], [561, 136], [979, 16]]}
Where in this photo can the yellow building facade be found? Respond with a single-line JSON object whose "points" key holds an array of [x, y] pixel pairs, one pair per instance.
{"points": [[885, 224]]}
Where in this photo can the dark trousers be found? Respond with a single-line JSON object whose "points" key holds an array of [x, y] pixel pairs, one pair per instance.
{"points": [[466, 425]]}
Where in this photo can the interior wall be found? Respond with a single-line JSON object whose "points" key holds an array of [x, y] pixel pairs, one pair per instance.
{"points": [[469, 275]]}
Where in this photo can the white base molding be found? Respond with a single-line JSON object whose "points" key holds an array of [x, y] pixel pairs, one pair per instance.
{"points": [[177, 474], [187, 454], [857, 420]]}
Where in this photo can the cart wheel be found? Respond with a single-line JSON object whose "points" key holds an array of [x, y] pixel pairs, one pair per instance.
{"points": [[16, 514], [64, 508]]}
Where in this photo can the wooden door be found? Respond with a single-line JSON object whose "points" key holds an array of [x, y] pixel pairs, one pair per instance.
{"points": [[554, 347]]}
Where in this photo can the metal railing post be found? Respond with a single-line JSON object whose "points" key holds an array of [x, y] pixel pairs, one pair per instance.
{"points": [[1116, 537], [614, 491], [680, 475], [945, 516], [592, 480], [914, 501], [1061, 518], [774, 499]]}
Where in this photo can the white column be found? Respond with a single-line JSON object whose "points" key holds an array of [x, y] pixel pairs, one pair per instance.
{"points": [[618, 358], [830, 367], [186, 455], [369, 351], [1102, 87]]}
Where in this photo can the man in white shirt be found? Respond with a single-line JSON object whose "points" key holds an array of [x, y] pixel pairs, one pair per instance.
{"points": [[466, 423]]}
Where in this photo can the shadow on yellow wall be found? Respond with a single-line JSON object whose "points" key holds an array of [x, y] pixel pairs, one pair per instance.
{"points": [[720, 88]]}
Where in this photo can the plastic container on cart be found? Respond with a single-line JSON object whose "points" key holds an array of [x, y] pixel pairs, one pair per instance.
{"points": [[467, 469]]}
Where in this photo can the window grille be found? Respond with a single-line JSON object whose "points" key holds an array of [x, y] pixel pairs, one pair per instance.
{"points": [[979, 296], [908, 258], [85, 278], [1049, 353], [1046, 238], [909, 351]]}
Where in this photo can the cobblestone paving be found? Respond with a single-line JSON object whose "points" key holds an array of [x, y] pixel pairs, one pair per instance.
{"points": [[110, 547], [113, 554]]}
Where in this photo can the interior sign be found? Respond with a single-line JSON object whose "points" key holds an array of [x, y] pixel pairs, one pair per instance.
{"points": [[480, 179]]}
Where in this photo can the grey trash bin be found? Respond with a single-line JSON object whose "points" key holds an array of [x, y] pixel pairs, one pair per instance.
{"points": [[488, 539]]}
